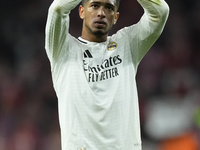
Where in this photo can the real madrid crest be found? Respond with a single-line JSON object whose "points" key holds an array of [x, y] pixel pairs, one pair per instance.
{"points": [[112, 46]]}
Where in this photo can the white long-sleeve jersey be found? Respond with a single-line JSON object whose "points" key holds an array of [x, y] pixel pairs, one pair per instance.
{"points": [[95, 82]]}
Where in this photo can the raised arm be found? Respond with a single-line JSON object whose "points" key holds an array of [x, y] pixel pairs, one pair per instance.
{"points": [[144, 34], [57, 26]]}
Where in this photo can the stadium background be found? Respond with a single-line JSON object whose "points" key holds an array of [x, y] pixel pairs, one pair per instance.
{"points": [[168, 78]]}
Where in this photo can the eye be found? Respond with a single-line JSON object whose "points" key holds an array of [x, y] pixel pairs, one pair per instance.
{"points": [[94, 6], [110, 8]]}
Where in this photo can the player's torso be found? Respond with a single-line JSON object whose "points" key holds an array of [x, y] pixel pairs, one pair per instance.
{"points": [[94, 80]]}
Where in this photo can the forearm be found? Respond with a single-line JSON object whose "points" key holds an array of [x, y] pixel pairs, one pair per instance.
{"points": [[63, 6], [150, 26], [156, 11], [57, 26]]}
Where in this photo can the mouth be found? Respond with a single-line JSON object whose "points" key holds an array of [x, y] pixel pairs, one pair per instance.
{"points": [[100, 24]]}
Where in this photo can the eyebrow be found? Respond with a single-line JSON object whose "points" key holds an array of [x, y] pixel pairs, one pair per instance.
{"points": [[106, 4]]}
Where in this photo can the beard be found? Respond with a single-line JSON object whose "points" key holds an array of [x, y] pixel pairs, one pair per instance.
{"points": [[99, 32]]}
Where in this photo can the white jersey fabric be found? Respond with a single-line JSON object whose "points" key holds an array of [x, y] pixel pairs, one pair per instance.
{"points": [[95, 82]]}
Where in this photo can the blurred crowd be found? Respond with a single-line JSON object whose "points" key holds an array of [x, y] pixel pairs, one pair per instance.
{"points": [[168, 78]]}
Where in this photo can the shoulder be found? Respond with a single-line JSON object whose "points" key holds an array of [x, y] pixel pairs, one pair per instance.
{"points": [[125, 33]]}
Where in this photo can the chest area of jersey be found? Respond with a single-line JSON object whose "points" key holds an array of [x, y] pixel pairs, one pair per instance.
{"points": [[102, 63]]}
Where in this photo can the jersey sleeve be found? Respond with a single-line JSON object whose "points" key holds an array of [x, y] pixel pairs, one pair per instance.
{"points": [[143, 35], [57, 26]]}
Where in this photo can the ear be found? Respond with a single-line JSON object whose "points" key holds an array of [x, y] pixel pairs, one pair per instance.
{"points": [[81, 12], [116, 17]]}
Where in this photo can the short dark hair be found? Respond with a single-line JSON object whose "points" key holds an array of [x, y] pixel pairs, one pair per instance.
{"points": [[117, 2]]}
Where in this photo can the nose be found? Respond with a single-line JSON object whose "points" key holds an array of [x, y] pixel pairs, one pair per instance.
{"points": [[101, 12]]}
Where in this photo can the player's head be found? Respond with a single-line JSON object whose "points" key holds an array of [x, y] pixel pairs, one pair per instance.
{"points": [[98, 16]]}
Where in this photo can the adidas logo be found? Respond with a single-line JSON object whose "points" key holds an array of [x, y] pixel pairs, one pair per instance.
{"points": [[87, 54]]}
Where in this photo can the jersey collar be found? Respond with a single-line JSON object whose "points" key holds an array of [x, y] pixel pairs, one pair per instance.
{"points": [[88, 42], [82, 40]]}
